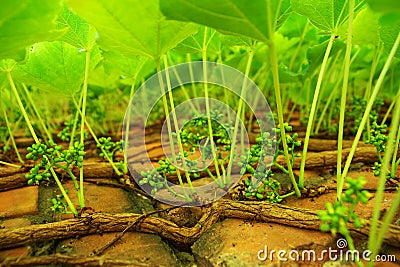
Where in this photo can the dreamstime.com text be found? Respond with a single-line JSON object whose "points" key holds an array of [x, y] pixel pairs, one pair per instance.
{"points": [[331, 254]]}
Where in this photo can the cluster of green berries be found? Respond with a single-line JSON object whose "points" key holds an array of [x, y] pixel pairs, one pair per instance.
{"points": [[59, 205], [291, 140], [379, 139], [52, 155], [261, 185], [355, 193], [109, 147], [257, 151], [166, 167], [74, 155], [267, 189], [65, 133], [35, 175], [154, 179], [378, 136], [358, 106], [336, 216]]}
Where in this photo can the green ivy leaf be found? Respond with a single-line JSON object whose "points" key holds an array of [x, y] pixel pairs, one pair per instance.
{"points": [[294, 25], [315, 54], [366, 28], [384, 5], [23, 23], [115, 62], [55, 66], [132, 27], [287, 76], [235, 17], [194, 43], [390, 28], [79, 32], [326, 15]]}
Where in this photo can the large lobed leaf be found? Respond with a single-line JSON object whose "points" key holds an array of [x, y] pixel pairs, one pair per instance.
{"points": [[23, 23], [327, 15], [389, 30], [236, 17], [366, 28], [78, 32], [55, 66], [385, 5], [132, 27]]}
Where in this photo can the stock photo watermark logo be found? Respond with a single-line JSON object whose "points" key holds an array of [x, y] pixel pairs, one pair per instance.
{"points": [[197, 113], [339, 254]]}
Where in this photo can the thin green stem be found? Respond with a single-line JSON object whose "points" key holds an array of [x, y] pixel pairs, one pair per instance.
{"points": [[387, 220], [37, 112], [11, 136], [219, 60], [330, 72], [243, 118], [128, 116], [369, 84], [275, 75], [194, 91], [296, 52], [21, 106], [394, 157], [238, 115], [313, 108], [182, 86], [366, 113], [347, 59], [10, 164], [210, 130], [166, 111], [178, 136], [78, 110], [63, 192], [97, 141], [15, 127], [289, 116], [287, 195], [391, 107], [30, 127], [376, 237], [327, 105], [332, 94], [83, 119]]}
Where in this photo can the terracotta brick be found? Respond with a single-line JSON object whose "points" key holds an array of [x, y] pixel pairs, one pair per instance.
{"points": [[15, 223], [14, 252], [19, 202], [234, 242], [101, 198], [133, 246]]}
